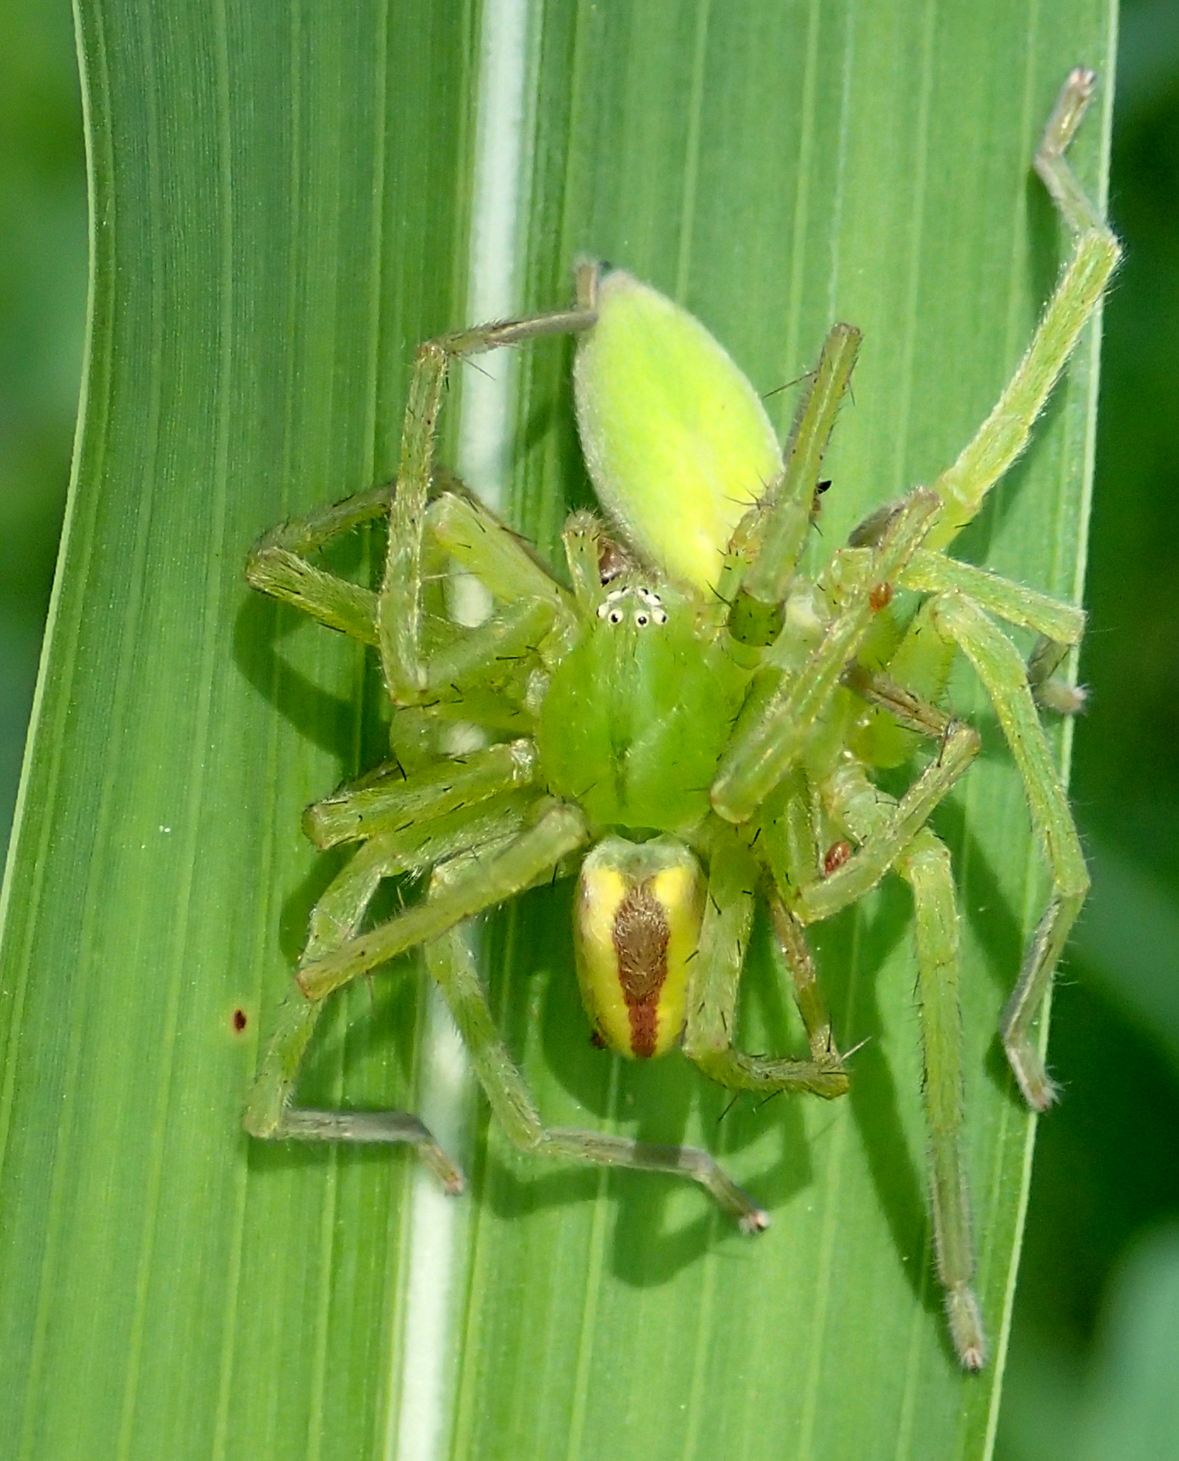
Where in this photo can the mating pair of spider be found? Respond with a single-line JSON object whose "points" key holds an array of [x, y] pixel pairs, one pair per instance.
{"points": [[685, 719]]}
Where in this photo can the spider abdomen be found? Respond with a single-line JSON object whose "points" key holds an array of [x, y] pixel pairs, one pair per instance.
{"points": [[636, 925]]}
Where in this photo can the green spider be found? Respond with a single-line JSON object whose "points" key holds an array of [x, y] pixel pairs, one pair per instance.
{"points": [[687, 723]]}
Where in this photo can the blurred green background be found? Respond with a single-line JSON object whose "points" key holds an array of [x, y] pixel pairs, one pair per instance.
{"points": [[1097, 1316]]}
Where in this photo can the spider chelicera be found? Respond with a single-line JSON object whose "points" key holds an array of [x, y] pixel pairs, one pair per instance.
{"points": [[687, 722]]}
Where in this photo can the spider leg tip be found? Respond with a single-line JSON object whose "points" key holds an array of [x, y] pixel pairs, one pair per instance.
{"points": [[755, 1221], [973, 1359], [1040, 1092], [1044, 1097], [966, 1327]]}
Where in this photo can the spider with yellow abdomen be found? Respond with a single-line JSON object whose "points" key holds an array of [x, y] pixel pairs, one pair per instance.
{"points": [[688, 722]]}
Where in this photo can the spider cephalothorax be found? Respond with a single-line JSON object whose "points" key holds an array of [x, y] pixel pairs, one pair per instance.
{"points": [[638, 711], [688, 722]]}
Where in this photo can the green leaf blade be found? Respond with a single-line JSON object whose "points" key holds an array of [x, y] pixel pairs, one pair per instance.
{"points": [[282, 205]]}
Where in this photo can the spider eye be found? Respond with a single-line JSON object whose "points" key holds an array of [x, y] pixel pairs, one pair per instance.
{"points": [[661, 616], [615, 616], [642, 620]]}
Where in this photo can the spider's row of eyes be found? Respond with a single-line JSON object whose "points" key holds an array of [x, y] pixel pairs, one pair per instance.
{"points": [[612, 611]]}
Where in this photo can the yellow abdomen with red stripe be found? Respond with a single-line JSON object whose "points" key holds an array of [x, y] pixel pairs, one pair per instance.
{"points": [[637, 925]]}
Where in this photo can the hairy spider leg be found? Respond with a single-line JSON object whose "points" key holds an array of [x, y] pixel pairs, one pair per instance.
{"points": [[413, 806], [409, 826], [927, 868], [530, 857], [925, 865], [1012, 602], [278, 565], [922, 659], [872, 817], [775, 729], [892, 836], [583, 539], [399, 606], [486, 547], [480, 675], [761, 559], [874, 857], [1049, 690], [421, 529], [964, 485], [733, 879], [998, 665], [270, 1112], [451, 965], [1058, 625], [957, 745], [790, 938]]}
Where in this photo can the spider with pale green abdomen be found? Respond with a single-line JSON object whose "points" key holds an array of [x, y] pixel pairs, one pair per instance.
{"points": [[688, 723]]}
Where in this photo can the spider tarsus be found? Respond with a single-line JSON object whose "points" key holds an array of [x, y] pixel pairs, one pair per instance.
{"points": [[1038, 1088], [755, 1221], [1081, 83], [1043, 1094], [966, 1328], [1071, 106], [455, 1184], [1061, 698]]}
